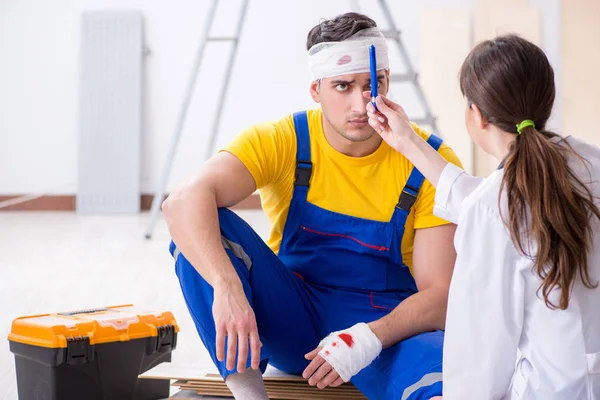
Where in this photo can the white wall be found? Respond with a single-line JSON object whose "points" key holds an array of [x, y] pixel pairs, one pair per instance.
{"points": [[39, 75]]}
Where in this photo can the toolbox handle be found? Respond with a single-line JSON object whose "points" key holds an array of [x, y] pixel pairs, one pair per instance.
{"points": [[88, 311]]}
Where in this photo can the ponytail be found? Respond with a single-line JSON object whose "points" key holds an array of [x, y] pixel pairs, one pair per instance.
{"points": [[549, 212]]}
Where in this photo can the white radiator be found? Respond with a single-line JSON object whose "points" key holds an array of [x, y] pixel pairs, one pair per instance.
{"points": [[110, 112]]}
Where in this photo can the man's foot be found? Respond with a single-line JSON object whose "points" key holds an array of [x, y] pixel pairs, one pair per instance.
{"points": [[248, 385]]}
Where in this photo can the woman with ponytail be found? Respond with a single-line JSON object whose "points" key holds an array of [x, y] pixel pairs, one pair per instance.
{"points": [[523, 318]]}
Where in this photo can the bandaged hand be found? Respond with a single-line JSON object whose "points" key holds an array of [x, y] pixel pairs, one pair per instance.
{"points": [[347, 352]]}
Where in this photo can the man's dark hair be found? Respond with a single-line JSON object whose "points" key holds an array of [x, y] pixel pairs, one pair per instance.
{"points": [[339, 28]]}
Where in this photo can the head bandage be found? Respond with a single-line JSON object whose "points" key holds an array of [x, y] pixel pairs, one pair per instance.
{"points": [[350, 56]]}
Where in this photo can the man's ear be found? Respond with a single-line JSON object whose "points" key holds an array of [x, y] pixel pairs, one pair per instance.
{"points": [[387, 81], [315, 87]]}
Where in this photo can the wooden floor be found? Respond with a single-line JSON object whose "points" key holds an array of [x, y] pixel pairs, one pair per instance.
{"points": [[53, 261]]}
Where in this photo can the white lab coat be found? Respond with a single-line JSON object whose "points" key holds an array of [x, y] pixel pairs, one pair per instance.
{"points": [[502, 342]]}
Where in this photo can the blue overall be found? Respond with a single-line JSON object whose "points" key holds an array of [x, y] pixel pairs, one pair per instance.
{"points": [[332, 271]]}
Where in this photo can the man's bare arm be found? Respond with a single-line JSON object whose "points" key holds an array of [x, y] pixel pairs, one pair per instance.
{"points": [[192, 219], [193, 222], [433, 262]]}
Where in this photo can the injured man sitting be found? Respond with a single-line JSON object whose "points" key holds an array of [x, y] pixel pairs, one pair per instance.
{"points": [[352, 283]]}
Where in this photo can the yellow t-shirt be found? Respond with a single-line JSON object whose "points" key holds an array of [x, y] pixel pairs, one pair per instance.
{"points": [[366, 187]]}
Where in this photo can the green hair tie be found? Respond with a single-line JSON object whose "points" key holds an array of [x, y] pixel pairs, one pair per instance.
{"points": [[525, 124]]}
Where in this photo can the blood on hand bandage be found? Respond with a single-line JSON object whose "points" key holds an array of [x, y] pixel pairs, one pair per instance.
{"points": [[350, 350], [350, 56]]}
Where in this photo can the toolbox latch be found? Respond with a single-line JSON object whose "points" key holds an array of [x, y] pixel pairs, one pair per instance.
{"points": [[166, 338], [79, 350], [164, 341]]}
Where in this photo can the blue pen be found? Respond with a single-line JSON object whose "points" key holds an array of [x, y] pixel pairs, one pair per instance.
{"points": [[374, 82]]}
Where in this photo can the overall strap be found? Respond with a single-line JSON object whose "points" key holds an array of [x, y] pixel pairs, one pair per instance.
{"points": [[303, 163], [411, 189]]}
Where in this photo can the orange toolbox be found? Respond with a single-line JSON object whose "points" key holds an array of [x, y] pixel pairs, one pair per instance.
{"points": [[92, 354]]}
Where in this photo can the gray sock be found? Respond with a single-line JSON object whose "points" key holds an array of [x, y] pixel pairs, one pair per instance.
{"points": [[248, 385]]}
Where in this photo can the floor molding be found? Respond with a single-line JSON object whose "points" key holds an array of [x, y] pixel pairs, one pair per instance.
{"points": [[68, 203]]}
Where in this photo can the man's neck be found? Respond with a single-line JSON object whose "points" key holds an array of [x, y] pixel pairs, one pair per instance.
{"points": [[349, 147]]}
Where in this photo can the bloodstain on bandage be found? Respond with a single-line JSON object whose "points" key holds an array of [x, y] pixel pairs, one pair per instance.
{"points": [[334, 344], [344, 60], [347, 339], [326, 353]]}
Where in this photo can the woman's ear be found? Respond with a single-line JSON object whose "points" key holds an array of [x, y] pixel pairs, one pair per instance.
{"points": [[479, 119]]}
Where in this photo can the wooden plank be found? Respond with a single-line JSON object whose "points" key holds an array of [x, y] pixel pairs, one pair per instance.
{"points": [[278, 384], [170, 371], [285, 394], [280, 393], [345, 389], [580, 34], [277, 389], [192, 395], [271, 374], [493, 18], [446, 40]]}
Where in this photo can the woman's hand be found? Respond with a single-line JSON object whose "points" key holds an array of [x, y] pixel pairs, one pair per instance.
{"points": [[390, 122], [395, 128]]}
